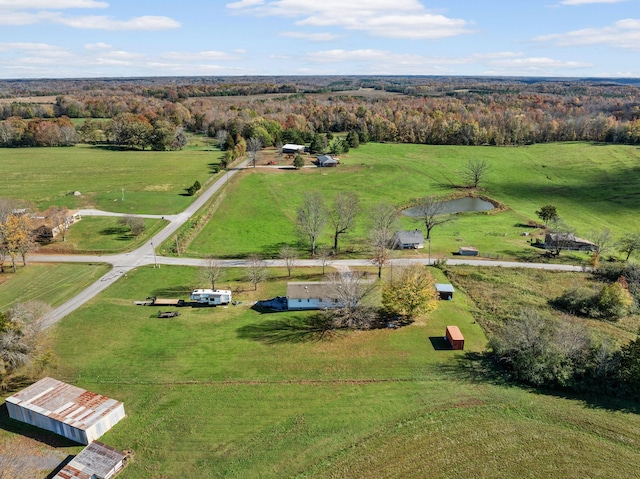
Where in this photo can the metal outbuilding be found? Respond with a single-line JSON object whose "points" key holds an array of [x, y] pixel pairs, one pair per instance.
{"points": [[97, 460], [70, 411], [455, 337], [445, 290]]}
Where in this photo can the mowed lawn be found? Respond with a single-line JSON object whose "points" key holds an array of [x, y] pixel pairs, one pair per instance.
{"points": [[230, 392], [51, 283], [594, 188], [153, 182], [102, 234]]}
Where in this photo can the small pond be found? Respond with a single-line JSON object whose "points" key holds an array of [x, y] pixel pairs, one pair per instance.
{"points": [[460, 205]]}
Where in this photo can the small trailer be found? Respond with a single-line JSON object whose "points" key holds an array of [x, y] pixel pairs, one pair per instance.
{"points": [[211, 297], [455, 337], [168, 314], [167, 302]]}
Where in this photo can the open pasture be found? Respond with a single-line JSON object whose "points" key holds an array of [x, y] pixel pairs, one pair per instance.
{"points": [[51, 283], [594, 187], [153, 182], [230, 392]]}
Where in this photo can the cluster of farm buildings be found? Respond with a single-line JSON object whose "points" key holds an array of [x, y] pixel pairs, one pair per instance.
{"points": [[79, 415]]}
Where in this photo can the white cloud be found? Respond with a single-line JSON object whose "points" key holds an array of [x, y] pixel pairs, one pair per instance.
{"points": [[187, 57], [97, 46], [50, 4], [29, 47], [99, 22], [537, 64], [312, 37], [621, 34], [245, 4], [384, 18], [585, 2], [13, 18]]}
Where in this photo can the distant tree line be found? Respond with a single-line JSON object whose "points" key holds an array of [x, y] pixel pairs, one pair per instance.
{"points": [[430, 111]]}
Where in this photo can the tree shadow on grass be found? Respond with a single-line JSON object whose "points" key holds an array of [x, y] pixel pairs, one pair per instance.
{"points": [[481, 368], [32, 432], [289, 330], [171, 291], [273, 250], [122, 232]]}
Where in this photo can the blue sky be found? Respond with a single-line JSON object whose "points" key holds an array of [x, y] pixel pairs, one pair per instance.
{"points": [[115, 38]]}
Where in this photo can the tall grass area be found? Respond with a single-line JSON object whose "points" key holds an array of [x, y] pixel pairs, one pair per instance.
{"points": [[51, 283], [593, 187], [230, 392], [154, 182]]}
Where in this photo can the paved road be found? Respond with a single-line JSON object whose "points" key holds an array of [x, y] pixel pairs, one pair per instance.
{"points": [[125, 262]]}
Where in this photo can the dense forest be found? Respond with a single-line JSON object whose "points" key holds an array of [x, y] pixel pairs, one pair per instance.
{"points": [[155, 112]]}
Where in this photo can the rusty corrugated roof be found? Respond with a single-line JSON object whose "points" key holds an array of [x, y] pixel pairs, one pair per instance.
{"points": [[96, 458], [65, 403]]}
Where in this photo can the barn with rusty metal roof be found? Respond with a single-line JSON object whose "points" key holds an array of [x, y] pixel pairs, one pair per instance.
{"points": [[70, 411], [97, 460]]}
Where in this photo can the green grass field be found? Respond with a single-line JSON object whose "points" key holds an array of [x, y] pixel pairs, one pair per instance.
{"points": [[52, 283], [153, 182], [594, 187], [97, 234], [229, 392]]}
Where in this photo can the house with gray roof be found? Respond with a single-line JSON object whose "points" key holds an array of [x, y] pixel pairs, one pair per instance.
{"points": [[408, 239]]}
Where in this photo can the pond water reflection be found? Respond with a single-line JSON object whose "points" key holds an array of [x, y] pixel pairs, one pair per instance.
{"points": [[460, 205]]}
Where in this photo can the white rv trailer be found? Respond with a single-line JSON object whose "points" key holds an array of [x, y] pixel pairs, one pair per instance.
{"points": [[211, 297]]}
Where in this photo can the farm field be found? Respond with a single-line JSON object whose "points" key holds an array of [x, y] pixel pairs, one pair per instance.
{"points": [[102, 234], [594, 187], [51, 283], [230, 392], [153, 182]]}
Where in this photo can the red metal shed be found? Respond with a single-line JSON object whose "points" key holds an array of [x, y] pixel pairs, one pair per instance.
{"points": [[455, 337]]}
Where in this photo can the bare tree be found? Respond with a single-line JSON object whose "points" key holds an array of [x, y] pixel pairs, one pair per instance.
{"points": [[289, 255], [324, 255], [350, 290], [20, 343], [256, 271], [383, 218], [380, 246], [134, 223], [342, 215], [212, 272], [432, 212], [603, 240], [475, 172], [60, 219], [383, 221], [254, 145], [221, 137], [312, 217]]}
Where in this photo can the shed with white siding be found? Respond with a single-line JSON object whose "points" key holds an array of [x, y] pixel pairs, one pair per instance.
{"points": [[97, 460], [70, 411]]}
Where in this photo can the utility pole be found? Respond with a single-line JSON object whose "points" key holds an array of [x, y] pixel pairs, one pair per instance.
{"points": [[155, 260]]}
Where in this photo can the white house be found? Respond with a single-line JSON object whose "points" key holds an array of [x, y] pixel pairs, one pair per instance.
{"points": [[411, 239], [292, 149], [211, 297], [70, 411], [97, 460], [318, 295]]}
